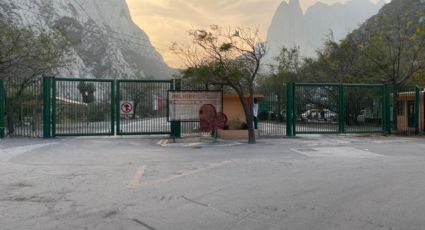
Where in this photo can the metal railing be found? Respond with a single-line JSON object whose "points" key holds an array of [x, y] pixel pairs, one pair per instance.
{"points": [[48, 107]]}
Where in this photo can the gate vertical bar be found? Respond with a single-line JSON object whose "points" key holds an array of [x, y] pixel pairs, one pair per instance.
{"points": [[385, 104], [175, 125], [113, 101], [2, 104], [341, 108], [117, 107], [417, 110], [47, 93], [54, 89], [289, 109], [387, 110]]}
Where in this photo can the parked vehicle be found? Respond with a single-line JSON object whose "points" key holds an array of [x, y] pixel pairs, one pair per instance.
{"points": [[365, 116]]}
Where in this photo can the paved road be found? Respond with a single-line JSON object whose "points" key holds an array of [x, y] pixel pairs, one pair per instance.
{"points": [[317, 183]]}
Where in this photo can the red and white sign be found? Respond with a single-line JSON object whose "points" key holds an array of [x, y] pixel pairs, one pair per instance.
{"points": [[127, 107]]}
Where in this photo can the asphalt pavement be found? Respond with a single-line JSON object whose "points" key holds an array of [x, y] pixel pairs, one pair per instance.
{"points": [[310, 182]]}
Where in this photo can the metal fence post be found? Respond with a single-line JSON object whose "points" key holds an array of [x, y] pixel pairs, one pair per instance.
{"points": [[175, 125], [341, 109], [417, 110], [387, 110], [2, 105], [113, 105], [289, 109], [117, 107], [47, 93]]}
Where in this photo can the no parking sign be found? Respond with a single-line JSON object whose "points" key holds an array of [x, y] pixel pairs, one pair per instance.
{"points": [[127, 107]]}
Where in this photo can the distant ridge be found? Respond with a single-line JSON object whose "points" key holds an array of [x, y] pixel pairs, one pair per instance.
{"points": [[290, 26]]}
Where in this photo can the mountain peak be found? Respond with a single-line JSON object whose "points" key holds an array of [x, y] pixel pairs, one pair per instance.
{"points": [[294, 2], [291, 27]]}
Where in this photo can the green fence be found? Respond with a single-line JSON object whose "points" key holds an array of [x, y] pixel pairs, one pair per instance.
{"points": [[21, 111], [149, 102], [49, 107], [272, 117], [354, 108], [336, 108], [83, 107], [2, 128]]}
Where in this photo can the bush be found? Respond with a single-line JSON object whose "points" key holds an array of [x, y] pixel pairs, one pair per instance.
{"points": [[236, 124]]}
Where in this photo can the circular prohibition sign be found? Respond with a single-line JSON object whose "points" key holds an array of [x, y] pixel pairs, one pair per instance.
{"points": [[126, 107]]}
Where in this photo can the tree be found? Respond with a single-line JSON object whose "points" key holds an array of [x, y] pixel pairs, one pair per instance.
{"points": [[227, 57], [394, 43], [87, 91], [26, 54], [286, 70], [396, 49]]}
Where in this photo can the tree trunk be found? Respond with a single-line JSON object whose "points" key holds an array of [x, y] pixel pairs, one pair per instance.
{"points": [[249, 118]]}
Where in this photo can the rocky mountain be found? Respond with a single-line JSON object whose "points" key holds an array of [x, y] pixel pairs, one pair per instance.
{"points": [[106, 42], [291, 26]]}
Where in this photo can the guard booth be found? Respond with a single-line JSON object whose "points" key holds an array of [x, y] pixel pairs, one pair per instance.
{"points": [[407, 114]]}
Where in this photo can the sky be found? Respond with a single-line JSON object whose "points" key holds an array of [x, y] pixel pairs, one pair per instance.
{"points": [[168, 21]]}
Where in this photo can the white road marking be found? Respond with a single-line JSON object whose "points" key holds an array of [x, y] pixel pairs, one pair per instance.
{"points": [[345, 152], [8, 153], [136, 181]]}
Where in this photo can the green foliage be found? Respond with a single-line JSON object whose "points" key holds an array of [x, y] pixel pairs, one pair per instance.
{"points": [[28, 53], [94, 112], [87, 91], [226, 58], [388, 48]]}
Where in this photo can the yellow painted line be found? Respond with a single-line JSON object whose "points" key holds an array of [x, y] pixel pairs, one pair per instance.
{"points": [[187, 173], [164, 143], [136, 181], [193, 144]]}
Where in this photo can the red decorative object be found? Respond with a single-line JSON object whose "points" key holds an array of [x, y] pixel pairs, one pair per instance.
{"points": [[210, 120]]}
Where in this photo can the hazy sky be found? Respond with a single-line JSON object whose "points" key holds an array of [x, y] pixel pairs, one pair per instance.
{"points": [[167, 21]]}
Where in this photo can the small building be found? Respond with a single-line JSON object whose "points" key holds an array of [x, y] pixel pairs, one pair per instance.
{"points": [[232, 106], [406, 113]]}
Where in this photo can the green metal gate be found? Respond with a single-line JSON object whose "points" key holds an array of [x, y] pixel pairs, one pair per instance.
{"points": [[316, 108], [83, 107], [2, 105], [49, 107], [147, 104]]}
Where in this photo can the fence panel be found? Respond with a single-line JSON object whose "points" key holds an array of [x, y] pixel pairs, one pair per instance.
{"points": [[149, 99], [316, 108], [272, 110], [364, 108], [23, 107], [83, 107]]}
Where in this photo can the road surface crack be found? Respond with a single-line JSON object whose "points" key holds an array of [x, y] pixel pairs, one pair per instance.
{"points": [[143, 224], [209, 206]]}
